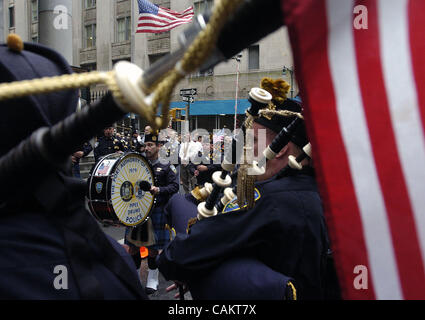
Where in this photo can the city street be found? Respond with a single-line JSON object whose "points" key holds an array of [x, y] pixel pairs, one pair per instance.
{"points": [[117, 233]]}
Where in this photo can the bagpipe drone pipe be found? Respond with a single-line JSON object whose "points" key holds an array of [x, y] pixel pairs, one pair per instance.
{"points": [[237, 277]]}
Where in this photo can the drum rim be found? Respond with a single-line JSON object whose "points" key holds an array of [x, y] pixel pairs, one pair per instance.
{"points": [[90, 179]]}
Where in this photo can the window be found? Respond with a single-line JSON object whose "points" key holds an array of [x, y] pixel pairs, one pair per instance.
{"points": [[123, 29], [89, 66], [202, 6], [206, 73], [11, 17], [155, 57], [254, 57], [34, 39], [34, 10], [90, 33], [89, 4]]}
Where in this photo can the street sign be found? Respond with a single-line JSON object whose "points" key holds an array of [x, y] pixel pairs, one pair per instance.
{"points": [[188, 99], [189, 92]]}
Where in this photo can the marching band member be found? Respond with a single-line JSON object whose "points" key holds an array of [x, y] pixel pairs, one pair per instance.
{"points": [[285, 230], [51, 246], [165, 186], [107, 144]]}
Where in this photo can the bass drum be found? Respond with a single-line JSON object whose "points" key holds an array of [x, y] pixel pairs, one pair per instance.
{"points": [[118, 189]]}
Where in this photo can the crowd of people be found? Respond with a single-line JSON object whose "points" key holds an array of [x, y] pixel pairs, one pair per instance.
{"points": [[194, 157]]}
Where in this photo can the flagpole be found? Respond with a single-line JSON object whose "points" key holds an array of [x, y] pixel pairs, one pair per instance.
{"points": [[238, 60]]}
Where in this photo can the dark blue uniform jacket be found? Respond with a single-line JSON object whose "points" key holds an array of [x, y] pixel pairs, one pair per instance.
{"points": [[285, 230], [107, 145], [167, 181], [90, 265]]}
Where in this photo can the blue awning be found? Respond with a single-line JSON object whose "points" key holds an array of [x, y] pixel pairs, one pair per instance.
{"points": [[213, 107]]}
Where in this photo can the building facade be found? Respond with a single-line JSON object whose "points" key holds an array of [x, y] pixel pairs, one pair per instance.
{"points": [[103, 33]]}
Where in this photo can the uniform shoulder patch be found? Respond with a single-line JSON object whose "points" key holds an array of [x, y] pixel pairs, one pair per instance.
{"points": [[173, 168], [232, 205]]}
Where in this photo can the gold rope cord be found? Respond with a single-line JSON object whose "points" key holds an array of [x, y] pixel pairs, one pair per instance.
{"points": [[45, 85], [192, 59], [267, 113]]}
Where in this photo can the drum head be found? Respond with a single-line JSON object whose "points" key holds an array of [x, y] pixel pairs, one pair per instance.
{"points": [[130, 203]]}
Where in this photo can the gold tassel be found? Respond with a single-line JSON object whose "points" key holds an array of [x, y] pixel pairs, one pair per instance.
{"points": [[245, 184], [250, 180], [190, 223]]}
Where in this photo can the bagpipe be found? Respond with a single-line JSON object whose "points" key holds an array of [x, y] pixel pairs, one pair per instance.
{"points": [[211, 199], [213, 38]]}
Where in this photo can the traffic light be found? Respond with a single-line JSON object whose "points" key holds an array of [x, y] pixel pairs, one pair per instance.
{"points": [[176, 114], [173, 114]]}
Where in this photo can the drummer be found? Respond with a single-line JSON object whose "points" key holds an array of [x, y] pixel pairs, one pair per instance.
{"points": [[166, 184]]}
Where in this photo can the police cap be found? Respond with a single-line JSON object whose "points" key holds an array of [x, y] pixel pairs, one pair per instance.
{"points": [[20, 117]]}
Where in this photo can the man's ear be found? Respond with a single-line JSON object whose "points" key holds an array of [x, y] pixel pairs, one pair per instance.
{"points": [[282, 152]]}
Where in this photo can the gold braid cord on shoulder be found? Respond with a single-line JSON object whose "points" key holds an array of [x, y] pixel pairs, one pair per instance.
{"points": [[245, 189], [161, 94]]}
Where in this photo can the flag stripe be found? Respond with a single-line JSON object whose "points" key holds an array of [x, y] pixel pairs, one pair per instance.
{"points": [[155, 25], [404, 108], [356, 138], [157, 29], [153, 18], [158, 23], [173, 15], [388, 165], [398, 69], [179, 14], [333, 174], [417, 46]]}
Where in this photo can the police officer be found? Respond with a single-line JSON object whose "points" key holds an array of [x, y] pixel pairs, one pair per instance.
{"points": [[166, 184], [51, 247], [285, 230], [107, 144]]}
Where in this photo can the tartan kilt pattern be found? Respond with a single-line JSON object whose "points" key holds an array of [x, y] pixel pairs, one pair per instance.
{"points": [[162, 235]]}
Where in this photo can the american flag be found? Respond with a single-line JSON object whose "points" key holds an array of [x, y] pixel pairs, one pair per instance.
{"points": [[155, 19], [364, 94], [104, 168]]}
